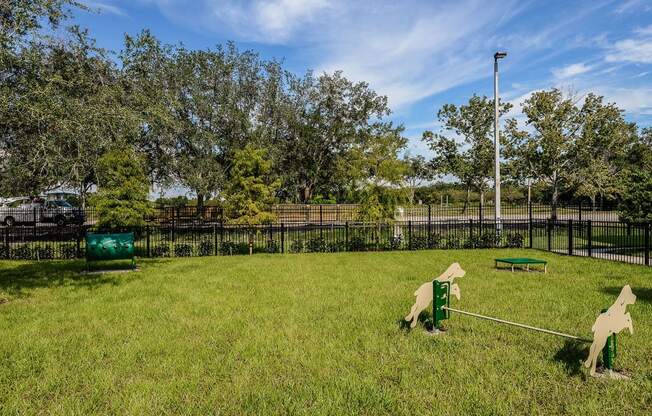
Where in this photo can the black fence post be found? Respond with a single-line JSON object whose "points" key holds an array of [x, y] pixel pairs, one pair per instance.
{"points": [[215, 249], [549, 233], [282, 238], [346, 235], [429, 221], [471, 229], [7, 242], [410, 234], [530, 225], [79, 237], [589, 236], [147, 232], [647, 244], [570, 237], [580, 213], [321, 221]]}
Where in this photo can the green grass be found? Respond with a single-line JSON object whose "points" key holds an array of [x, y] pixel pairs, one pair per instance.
{"points": [[313, 334]]}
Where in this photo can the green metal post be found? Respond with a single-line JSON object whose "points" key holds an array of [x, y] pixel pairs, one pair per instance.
{"points": [[609, 351], [440, 297]]}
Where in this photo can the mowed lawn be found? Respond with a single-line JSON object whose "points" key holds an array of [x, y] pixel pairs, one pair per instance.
{"points": [[314, 334]]}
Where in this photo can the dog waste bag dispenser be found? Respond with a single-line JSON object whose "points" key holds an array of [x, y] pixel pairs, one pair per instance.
{"points": [[114, 246]]}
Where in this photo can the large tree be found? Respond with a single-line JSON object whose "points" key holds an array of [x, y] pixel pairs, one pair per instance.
{"points": [[466, 150], [548, 143], [599, 154], [323, 119]]}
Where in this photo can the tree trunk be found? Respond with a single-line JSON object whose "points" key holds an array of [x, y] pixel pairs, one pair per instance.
{"points": [[592, 202], [200, 204], [553, 204], [529, 192], [466, 201]]}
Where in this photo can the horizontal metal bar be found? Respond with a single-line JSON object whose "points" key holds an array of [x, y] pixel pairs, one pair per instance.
{"points": [[533, 328]]}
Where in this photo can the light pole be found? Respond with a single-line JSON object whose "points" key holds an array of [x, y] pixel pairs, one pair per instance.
{"points": [[499, 226]]}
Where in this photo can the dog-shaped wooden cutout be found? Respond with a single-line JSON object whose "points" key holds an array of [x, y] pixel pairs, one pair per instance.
{"points": [[611, 322], [424, 292]]}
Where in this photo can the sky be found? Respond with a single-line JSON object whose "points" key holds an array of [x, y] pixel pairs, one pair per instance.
{"points": [[420, 54]]}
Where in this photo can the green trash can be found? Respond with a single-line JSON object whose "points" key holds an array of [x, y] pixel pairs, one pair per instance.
{"points": [[110, 246]]}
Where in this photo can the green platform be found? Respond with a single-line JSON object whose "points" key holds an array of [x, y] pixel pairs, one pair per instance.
{"points": [[522, 261]]}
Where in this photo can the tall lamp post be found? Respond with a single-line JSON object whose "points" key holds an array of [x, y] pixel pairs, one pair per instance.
{"points": [[499, 226]]}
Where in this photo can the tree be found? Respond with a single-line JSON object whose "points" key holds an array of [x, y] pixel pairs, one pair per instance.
{"points": [[472, 159], [123, 190], [64, 107], [323, 119], [554, 122], [251, 191], [636, 203], [377, 173], [417, 173], [601, 149]]}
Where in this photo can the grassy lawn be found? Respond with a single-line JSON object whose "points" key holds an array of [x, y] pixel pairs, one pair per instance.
{"points": [[313, 334]]}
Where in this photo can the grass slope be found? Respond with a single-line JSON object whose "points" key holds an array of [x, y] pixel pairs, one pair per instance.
{"points": [[313, 334]]}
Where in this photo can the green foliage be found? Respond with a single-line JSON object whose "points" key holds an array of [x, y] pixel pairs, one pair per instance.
{"points": [[636, 204], [122, 197], [251, 191], [471, 161]]}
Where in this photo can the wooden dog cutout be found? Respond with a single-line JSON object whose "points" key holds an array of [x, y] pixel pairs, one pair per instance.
{"points": [[424, 292], [611, 322]]}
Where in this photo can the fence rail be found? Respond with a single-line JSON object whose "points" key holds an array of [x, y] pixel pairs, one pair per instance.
{"points": [[338, 214], [600, 239]]}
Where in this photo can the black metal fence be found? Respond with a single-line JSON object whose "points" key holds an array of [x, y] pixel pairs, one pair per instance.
{"points": [[339, 214], [600, 239]]}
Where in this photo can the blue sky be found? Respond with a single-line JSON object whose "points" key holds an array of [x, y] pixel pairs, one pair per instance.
{"points": [[421, 54]]}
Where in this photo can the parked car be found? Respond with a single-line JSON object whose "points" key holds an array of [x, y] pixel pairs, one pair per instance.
{"points": [[26, 211]]}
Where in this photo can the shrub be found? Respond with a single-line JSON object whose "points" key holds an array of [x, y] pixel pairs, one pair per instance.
{"points": [[336, 246], [419, 242], [45, 253], [453, 242], [272, 246], [205, 248], [317, 245], [395, 242], [357, 243], [228, 248], [162, 250], [182, 250], [22, 253], [297, 246], [434, 241], [68, 251], [488, 240], [515, 240]]}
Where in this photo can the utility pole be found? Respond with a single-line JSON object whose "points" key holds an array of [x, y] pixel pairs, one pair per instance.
{"points": [[499, 226]]}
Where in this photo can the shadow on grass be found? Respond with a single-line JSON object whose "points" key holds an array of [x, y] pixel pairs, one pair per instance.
{"points": [[424, 319], [19, 279], [643, 294], [572, 355]]}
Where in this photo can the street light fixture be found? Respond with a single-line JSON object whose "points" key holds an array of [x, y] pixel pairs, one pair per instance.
{"points": [[499, 226]]}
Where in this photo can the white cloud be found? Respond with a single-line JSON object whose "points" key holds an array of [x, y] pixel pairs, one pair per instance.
{"points": [[104, 7], [636, 101], [571, 71], [267, 21], [636, 49]]}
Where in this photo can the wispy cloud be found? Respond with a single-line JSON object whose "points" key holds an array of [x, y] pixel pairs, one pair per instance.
{"points": [[634, 49], [571, 70], [104, 7]]}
